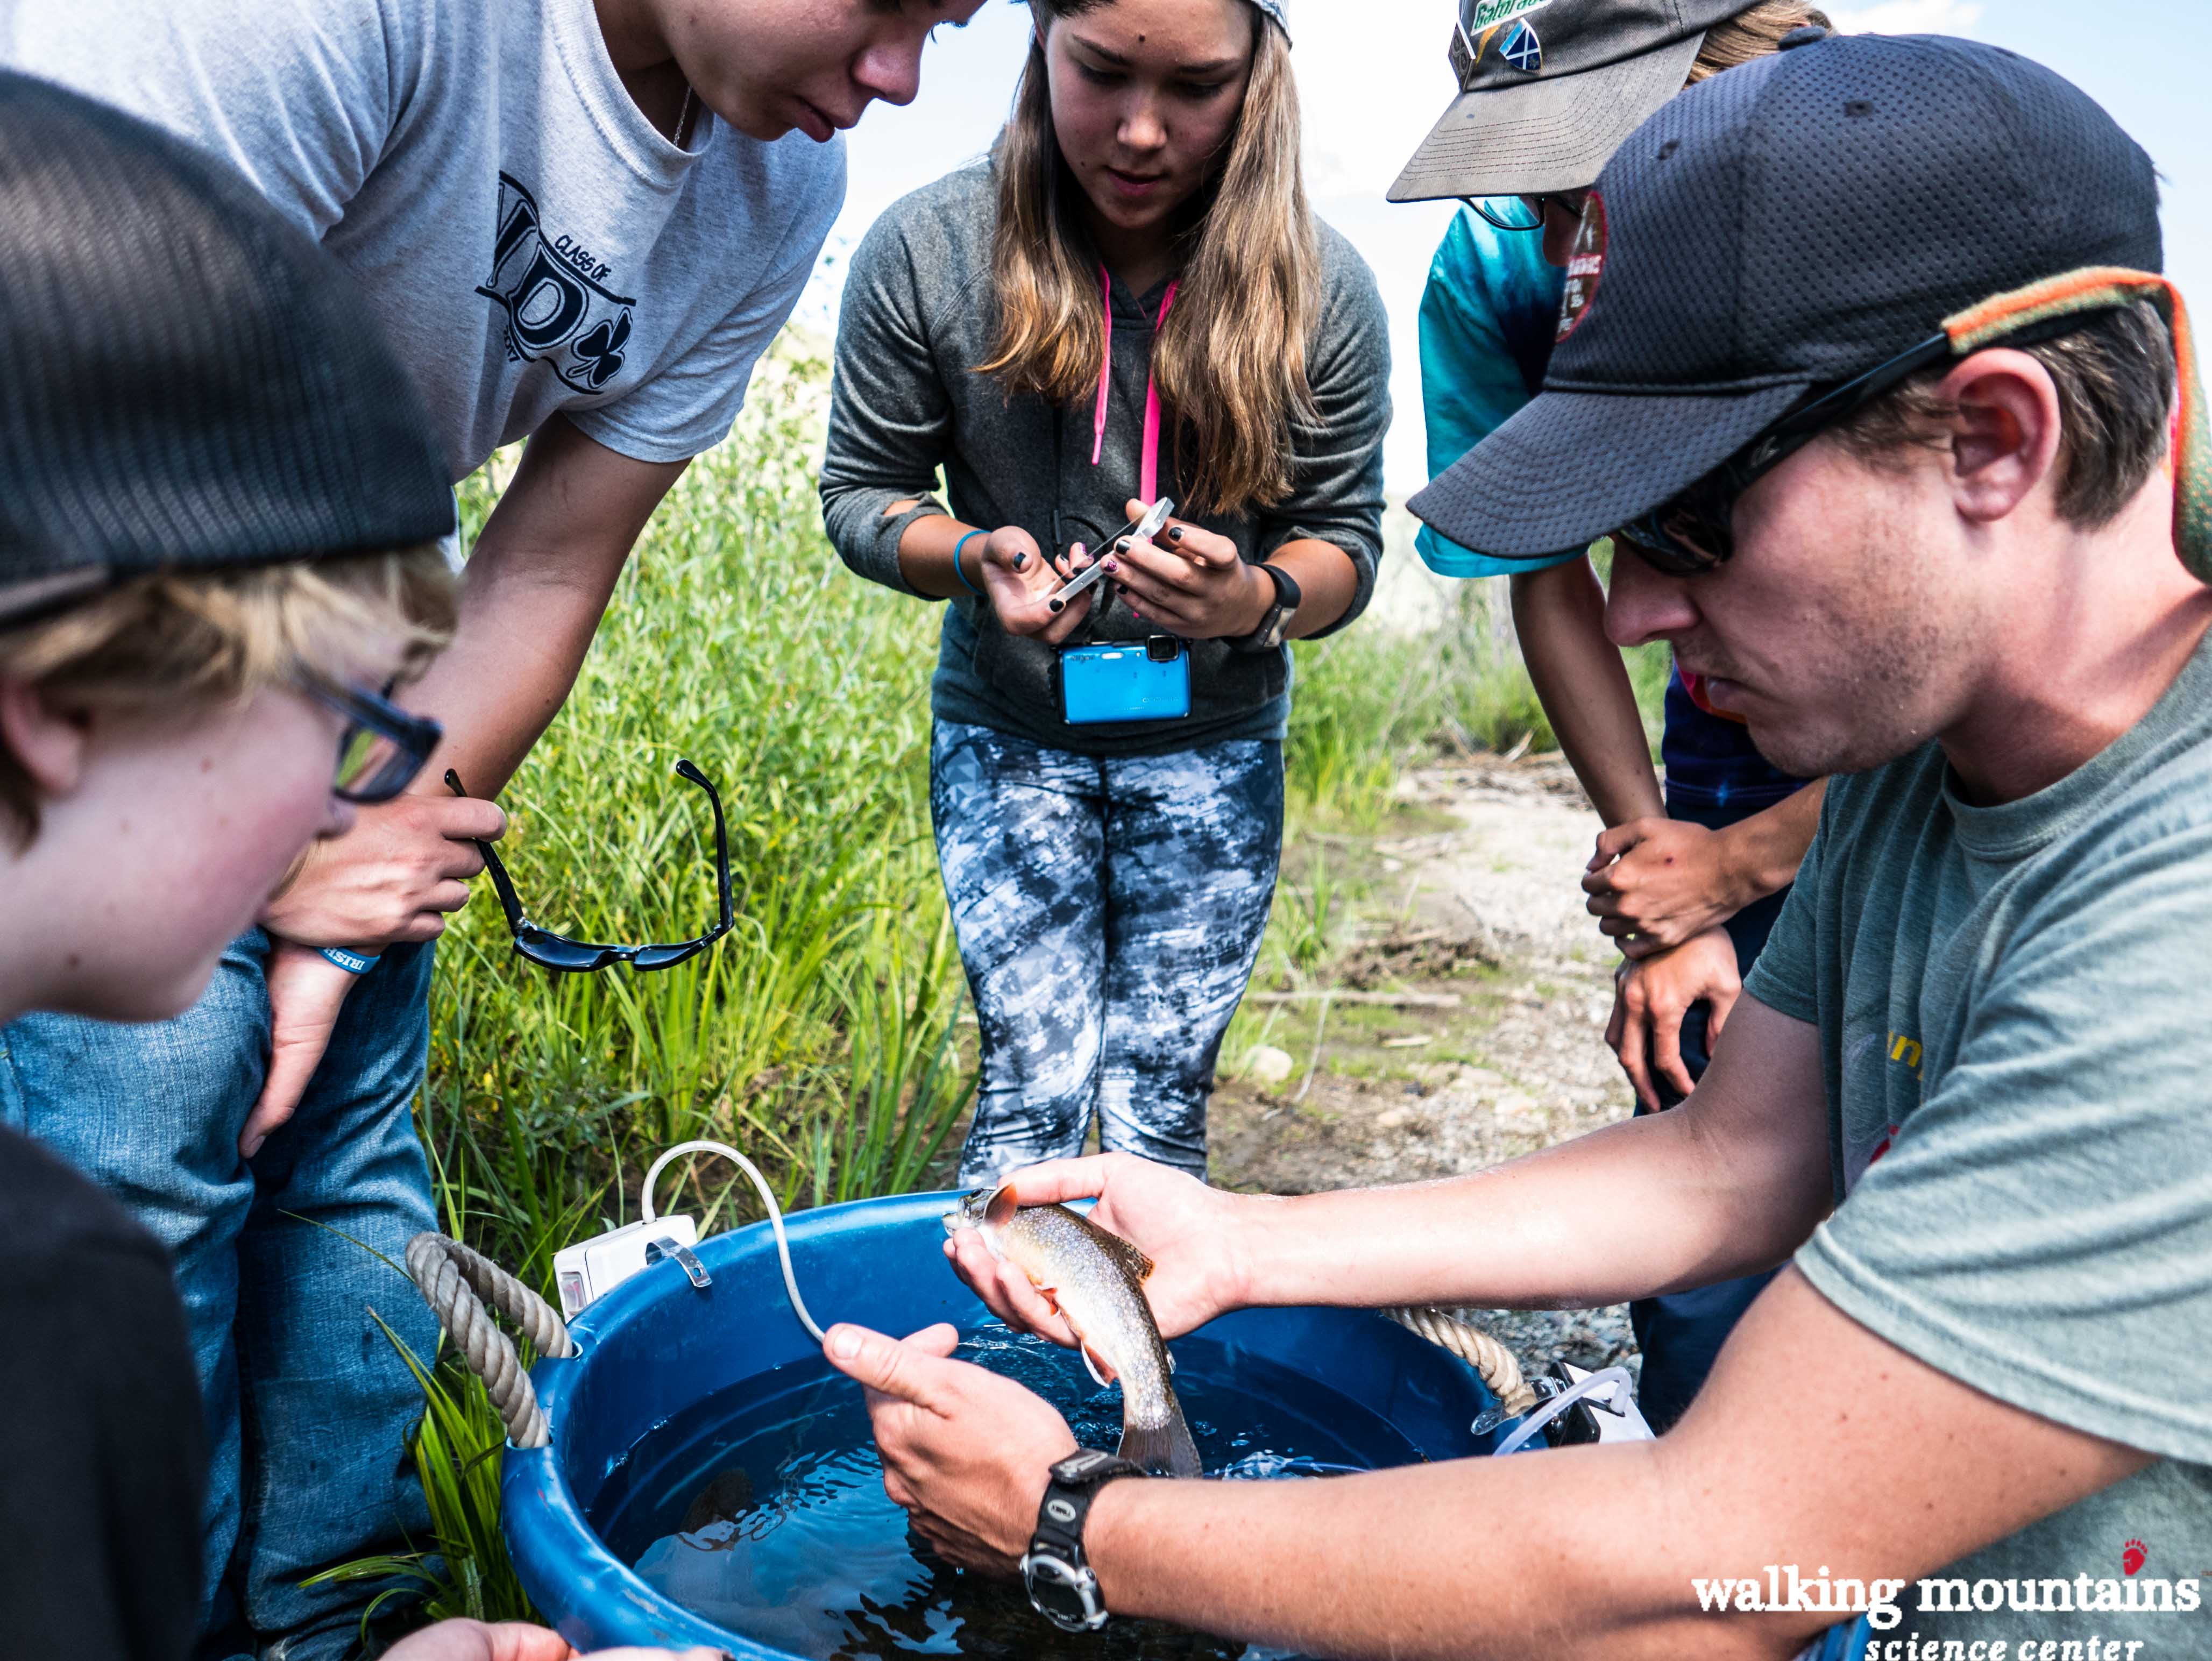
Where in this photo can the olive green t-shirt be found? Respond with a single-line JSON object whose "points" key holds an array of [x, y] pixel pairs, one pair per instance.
{"points": [[2016, 1036]]}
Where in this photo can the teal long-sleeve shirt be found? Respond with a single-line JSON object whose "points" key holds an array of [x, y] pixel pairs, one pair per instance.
{"points": [[1488, 317]]}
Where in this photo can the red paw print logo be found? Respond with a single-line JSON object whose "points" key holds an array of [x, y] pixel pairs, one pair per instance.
{"points": [[2132, 1555]]}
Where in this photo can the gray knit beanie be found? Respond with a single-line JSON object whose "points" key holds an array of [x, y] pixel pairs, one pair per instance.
{"points": [[191, 383]]}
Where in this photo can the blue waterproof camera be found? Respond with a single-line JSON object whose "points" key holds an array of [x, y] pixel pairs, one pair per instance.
{"points": [[1126, 681]]}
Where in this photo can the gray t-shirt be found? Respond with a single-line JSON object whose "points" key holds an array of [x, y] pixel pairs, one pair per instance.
{"points": [[2019, 1073], [529, 241]]}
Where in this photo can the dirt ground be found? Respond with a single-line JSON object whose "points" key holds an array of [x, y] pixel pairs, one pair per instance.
{"points": [[1466, 901]]}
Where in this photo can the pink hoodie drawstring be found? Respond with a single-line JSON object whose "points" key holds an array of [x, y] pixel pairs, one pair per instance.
{"points": [[1148, 483]]}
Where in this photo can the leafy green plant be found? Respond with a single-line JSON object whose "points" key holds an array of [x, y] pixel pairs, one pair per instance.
{"points": [[821, 1034], [464, 1570], [1308, 916]]}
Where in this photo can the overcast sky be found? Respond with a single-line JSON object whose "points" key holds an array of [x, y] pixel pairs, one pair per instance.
{"points": [[1373, 79]]}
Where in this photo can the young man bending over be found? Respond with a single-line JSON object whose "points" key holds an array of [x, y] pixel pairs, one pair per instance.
{"points": [[580, 223], [1909, 502]]}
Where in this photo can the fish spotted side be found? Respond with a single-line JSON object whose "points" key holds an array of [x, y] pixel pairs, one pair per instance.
{"points": [[1096, 1280]]}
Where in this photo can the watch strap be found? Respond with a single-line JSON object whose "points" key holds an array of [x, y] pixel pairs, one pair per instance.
{"points": [[1268, 636], [1075, 1484]]}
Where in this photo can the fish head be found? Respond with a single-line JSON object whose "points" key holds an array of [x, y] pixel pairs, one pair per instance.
{"points": [[981, 1208]]}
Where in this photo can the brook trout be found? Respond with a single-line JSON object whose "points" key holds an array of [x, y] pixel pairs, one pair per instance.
{"points": [[1095, 1281]]}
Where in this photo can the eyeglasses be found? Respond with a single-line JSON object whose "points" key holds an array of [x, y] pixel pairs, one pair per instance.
{"points": [[1695, 531], [1526, 213], [565, 956], [382, 747]]}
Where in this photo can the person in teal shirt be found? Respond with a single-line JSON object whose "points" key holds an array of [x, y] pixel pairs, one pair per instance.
{"points": [[1690, 883], [1487, 319]]}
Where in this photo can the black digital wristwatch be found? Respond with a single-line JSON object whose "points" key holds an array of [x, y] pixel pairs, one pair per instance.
{"points": [[1275, 622], [1059, 1581]]}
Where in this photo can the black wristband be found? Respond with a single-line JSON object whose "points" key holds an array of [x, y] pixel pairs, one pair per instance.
{"points": [[1268, 636], [1058, 1578]]}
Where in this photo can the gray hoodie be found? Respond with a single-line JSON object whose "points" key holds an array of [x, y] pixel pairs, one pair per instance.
{"points": [[919, 313]]}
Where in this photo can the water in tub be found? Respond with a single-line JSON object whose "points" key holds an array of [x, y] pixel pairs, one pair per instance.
{"points": [[764, 1512]]}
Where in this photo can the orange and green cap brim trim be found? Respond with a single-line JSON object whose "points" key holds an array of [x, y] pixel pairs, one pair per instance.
{"points": [[2102, 289]]}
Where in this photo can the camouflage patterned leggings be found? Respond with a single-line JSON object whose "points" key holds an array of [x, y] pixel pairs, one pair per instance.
{"points": [[1109, 912]]}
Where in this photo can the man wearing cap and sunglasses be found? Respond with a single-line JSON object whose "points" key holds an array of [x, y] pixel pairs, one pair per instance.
{"points": [[1691, 883], [580, 223], [1922, 507]]}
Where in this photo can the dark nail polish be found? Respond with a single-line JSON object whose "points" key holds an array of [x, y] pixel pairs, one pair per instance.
{"points": [[1021, 562], [1121, 546], [1175, 534], [1113, 565]]}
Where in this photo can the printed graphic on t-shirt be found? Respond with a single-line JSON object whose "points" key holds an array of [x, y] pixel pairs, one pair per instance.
{"points": [[559, 311], [1867, 1139]]}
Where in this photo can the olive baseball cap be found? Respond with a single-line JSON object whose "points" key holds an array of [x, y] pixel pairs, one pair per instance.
{"points": [[1549, 89], [192, 383], [1786, 227]]}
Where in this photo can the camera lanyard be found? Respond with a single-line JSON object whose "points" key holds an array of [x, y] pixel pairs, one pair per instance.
{"points": [[1148, 484], [1149, 461]]}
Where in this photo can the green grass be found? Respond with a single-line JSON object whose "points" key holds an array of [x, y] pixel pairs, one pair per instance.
{"points": [[820, 1035]]}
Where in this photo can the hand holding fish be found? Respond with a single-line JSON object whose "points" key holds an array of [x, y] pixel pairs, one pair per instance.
{"points": [[965, 1451], [1188, 1229]]}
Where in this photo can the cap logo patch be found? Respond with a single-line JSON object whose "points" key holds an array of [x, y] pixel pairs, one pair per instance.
{"points": [[1523, 49], [1490, 14], [1585, 266]]}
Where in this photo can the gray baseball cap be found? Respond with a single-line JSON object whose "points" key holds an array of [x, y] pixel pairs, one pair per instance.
{"points": [[1549, 89]]}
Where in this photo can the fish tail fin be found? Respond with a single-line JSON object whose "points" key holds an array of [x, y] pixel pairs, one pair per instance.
{"points": [[1163, 1450]]}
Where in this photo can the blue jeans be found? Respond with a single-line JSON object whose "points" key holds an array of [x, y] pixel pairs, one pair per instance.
{"points": [[307, 1406], [1681, 1333], [1109, 912]]}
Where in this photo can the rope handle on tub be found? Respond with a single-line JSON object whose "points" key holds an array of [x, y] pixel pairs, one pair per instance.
{"points": [[458, 1283], [1488, 1357]]}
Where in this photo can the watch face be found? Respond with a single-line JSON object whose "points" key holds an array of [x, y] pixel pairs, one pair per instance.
{"points": [[1077, 1466]]}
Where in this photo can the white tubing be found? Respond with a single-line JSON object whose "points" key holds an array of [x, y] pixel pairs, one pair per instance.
{"points": [[1612, 1379], [775, 1216]]}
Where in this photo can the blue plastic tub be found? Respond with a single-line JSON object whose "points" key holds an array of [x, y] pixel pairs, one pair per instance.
{"points": [[656, 1345]]}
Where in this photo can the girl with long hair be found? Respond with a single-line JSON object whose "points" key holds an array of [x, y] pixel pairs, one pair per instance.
{"points": [[1128, 301]]}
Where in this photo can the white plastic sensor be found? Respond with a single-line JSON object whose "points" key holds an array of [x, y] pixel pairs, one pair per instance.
{"points": [[588, 1271]]}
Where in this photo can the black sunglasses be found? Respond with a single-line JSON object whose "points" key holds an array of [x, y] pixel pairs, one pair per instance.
{"points": [[382, 747], [1694, 532], [1526, 213], [566, 956]]}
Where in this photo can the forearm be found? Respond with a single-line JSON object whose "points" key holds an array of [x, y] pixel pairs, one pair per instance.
{"points": [[1762, 853], [1626, 1212], [1327, 583], [926, 549], [1565, 1554], [537, 585], [514, 658], [1729, 1183], [1559, 615]]}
